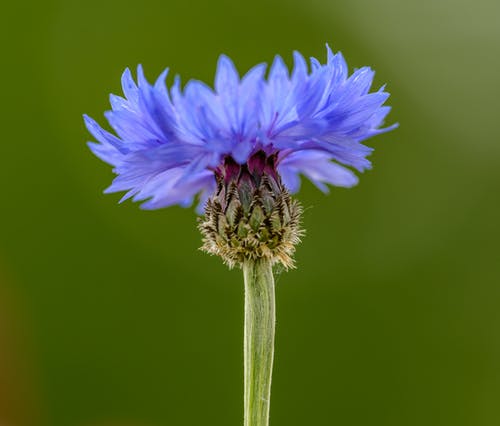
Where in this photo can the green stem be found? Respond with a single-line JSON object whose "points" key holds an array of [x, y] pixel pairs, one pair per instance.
{"points": [[260, 321]]}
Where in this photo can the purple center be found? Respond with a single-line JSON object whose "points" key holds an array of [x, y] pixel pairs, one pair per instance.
{"points": [[258, 165]]}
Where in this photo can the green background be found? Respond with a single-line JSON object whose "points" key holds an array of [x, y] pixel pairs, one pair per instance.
{"points": [[110, 315]]}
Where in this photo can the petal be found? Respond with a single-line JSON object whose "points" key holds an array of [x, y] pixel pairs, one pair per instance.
{"points": [[299, 73], [290, 178], [129, 87], [106, 153], [103, 136], [129, 126], [226, 78], [319, 168]]}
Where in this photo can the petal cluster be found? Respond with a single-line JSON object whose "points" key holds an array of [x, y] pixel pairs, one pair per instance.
{"points": [[168, 142]]}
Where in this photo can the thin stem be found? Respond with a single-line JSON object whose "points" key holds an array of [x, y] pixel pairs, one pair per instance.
{"points": [[260, 321]]}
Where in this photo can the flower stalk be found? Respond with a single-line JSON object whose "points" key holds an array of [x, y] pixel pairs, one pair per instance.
{"points": [[260, 319]]}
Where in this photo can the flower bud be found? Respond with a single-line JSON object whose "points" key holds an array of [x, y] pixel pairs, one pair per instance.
{"points": [[251, 215]]}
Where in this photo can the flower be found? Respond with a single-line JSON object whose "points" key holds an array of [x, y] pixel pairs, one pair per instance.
{"points": [[172, 143]]}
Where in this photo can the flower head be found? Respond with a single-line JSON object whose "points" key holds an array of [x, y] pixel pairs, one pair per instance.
{"points": [[170, 144]]}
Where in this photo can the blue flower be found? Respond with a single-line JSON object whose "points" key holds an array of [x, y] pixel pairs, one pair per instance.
{"points": [[170, 142]]}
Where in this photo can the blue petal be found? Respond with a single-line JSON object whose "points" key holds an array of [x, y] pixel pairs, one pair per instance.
{"points": [[129, 87], [318, 167], [129, 126], [299, 72], [106, 153], [226, 78], [103, 136]]}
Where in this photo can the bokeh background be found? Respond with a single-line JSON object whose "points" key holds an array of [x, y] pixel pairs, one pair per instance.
{"points": [[109, 315]]}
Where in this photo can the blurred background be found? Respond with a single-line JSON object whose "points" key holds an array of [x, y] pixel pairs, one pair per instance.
{"points": [[110, 315]]}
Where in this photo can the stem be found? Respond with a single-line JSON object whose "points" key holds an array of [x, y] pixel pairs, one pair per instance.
{"points": [[260, 321]]}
